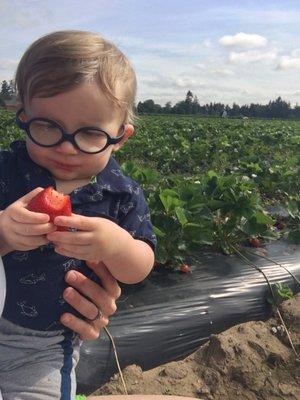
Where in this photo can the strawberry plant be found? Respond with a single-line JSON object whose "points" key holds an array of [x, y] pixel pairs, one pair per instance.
{"points": [[293, 209]]}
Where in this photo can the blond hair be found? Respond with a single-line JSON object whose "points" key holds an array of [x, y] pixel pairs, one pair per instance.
{"points": [[59, 61]]}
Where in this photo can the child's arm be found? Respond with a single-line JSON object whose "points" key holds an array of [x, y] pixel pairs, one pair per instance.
{"points": [[133, 259], [99, 239]]}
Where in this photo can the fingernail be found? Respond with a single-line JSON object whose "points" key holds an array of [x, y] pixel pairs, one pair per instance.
{"points": [[69, 293], [71, 276], [65, 319]]}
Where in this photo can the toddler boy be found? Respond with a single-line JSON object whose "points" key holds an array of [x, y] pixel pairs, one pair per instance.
{"points": [[77, 93]]}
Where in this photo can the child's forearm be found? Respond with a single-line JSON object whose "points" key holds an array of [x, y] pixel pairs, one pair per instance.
{"points": [[133, 259]]}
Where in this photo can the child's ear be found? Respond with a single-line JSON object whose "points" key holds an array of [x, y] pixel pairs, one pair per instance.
{"points": [[128, 132], [23, 116]]}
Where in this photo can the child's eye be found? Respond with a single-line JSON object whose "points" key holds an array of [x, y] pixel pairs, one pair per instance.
{"points": [[42, 125], [91, 140], [92, 133]]}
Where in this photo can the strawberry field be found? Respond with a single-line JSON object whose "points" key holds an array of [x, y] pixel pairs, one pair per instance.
{"points": [[211, 183]]}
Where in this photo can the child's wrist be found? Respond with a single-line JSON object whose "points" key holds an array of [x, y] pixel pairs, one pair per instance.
{"points": [[120, 241]]}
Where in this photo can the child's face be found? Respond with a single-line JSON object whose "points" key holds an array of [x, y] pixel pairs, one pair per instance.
{"points": [[86, 105]]}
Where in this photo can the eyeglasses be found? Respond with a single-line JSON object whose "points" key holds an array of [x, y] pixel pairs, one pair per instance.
{"points": [[47, 133]]}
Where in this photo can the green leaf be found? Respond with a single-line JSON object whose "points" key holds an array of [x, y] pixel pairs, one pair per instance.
{"points": [[292, 208], [170, 199], [158, 232], [281, 292], [181, 215], [162, 255], [261, 218], [284, 291], [215, 204], [212, 174]]}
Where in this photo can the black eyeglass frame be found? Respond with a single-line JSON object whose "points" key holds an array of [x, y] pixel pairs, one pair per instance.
{"points": [[65, 136]]}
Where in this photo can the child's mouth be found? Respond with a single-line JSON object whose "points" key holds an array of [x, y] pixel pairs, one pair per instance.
{"points": [[66, 167]]}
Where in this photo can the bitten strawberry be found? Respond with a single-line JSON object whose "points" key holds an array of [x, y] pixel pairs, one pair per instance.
{"points": [[51, 202]]}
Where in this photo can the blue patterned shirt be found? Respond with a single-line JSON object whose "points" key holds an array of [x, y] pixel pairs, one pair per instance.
{"points": [[35, 278]]}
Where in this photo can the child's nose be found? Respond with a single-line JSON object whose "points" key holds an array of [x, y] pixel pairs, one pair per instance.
{"points": [[66, 148]]}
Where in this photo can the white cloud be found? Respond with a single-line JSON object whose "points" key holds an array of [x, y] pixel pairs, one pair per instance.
{"points": [[243, 40], [252, 56], [295, 53], [207, 43], [8, 64], [208, 69], [163, 48], [288, 93], [187, 82], [222, 72], [287, 62], [161, 81], [19, 15]]}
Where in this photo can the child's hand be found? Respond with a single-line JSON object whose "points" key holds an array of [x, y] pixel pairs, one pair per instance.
{"points": [[22, 229], [95, 238]]}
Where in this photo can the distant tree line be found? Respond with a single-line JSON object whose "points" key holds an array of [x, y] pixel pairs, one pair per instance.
{"points": [[191, 106]]}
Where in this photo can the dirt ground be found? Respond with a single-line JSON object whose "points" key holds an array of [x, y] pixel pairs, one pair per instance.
{"points": [[250, 361]]}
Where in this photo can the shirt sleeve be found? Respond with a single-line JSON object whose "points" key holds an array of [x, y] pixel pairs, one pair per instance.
{"points": [[134, 216]]}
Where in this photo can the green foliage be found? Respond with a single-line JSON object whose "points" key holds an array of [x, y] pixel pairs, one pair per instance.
{"points": [[281, 292], [211, 210], [8, 130], [293, 208]]}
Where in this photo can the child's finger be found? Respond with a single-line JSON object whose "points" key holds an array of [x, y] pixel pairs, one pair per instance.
{"points": [[76, 221], [32, 242], [21, 214], [26, 229], [73, 238]]}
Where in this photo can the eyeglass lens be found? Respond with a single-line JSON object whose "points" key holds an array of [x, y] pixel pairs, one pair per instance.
{"points": [[49, 134]]}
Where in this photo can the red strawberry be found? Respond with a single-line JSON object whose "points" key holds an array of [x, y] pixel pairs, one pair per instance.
{"points": [[51, 202], [184, 268], [255, 242]]}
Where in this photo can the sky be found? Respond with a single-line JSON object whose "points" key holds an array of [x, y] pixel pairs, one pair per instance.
{"points": [[222, 51]]}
